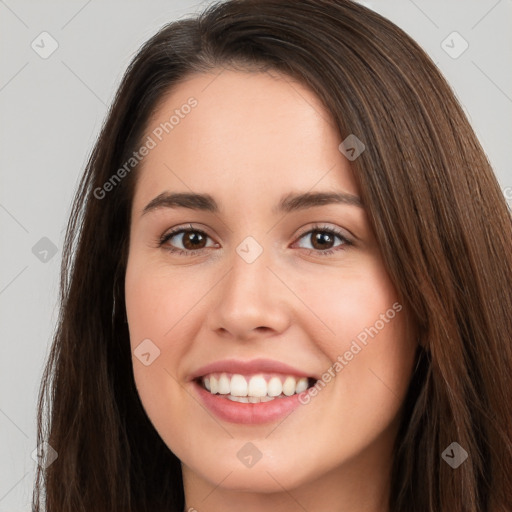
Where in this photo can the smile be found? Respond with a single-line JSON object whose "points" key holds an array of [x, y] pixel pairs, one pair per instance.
{"points": [[256, 388], [250, 392]]}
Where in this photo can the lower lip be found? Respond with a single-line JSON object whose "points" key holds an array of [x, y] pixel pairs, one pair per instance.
{"points": [[249, 414]]}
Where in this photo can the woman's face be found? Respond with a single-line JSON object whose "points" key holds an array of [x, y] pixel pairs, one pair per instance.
{"points": [[257, 295]]}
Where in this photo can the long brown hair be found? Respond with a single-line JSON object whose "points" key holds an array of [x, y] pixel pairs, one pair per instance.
{"points": [[437, 211]]}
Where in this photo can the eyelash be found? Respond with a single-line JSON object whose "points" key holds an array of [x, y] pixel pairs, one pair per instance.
{"points": [[322, 229]]}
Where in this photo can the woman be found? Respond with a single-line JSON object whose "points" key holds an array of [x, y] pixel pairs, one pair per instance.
{"points": [[205, 358]]}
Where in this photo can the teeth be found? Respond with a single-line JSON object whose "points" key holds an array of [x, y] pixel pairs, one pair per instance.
{"points": [[214, 385], [275, 387], [238, 386], [289, 386], [249, 399], [238, 389], [223, 388], [257, 386], [302, 385]]}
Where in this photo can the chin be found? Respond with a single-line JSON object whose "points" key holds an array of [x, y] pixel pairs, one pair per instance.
{"points": [[271, 473], [264, 478]]}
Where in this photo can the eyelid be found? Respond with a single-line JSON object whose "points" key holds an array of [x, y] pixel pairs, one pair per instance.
{"points": [[179, 230], [321, 227], [324, 226], [333, 230]]}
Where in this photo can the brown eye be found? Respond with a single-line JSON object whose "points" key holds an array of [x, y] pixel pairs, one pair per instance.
{"points": [[323, 240], [192, 240]]}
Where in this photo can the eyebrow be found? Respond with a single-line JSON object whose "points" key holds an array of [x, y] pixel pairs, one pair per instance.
{"points": [[288, 203]]}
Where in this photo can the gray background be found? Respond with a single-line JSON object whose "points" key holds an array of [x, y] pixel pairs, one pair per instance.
{"points": [[51, 112]]}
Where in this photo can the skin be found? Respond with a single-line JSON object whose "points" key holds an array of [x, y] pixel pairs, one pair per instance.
{"points": [[254, 137]]}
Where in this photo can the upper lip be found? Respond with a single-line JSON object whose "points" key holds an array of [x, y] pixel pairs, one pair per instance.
{"points": [[249, 367]]}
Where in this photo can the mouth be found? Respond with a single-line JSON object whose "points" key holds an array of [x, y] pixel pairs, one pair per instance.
{"points": [[254, 388], [253, 391]]}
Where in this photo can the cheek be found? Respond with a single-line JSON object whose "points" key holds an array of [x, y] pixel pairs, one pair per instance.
{"points": [[151, 308], [365, 336], [157, 300], [346, 303], [154, 309]]}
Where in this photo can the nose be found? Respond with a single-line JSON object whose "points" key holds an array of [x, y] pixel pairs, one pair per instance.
{"points": [[251, 300]]}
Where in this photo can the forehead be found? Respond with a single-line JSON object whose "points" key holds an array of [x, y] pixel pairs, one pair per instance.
{"points": [[251, 135]]}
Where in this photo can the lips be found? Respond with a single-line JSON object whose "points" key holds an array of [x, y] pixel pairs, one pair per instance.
{"points": [[250, 392], [254, 366]]}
